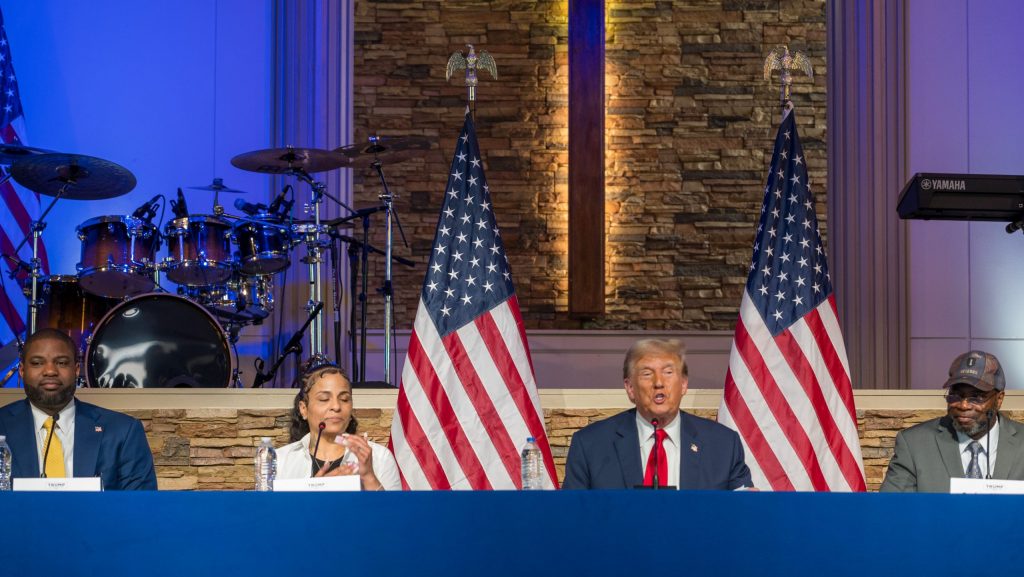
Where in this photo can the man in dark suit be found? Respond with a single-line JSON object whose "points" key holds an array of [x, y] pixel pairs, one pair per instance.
{"points": [[656, 444], [971, 441], [50, 430]]}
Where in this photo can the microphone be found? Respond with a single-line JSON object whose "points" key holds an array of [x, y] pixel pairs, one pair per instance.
{"points": [[147, 211], [654, 423], [319, 434], [1014, 226], [49, 438], [179, 208], [989, 414], [249, 208], [275, 205]]}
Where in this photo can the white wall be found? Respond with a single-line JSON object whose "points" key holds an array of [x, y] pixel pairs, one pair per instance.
{"points": [[964, 84]]}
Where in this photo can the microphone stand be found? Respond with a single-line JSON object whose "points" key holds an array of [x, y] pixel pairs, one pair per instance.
{"points": [[49, 439], [294, 346], [988, 444]]}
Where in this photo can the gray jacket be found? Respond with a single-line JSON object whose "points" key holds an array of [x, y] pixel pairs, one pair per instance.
{"points": [[928, 455]]}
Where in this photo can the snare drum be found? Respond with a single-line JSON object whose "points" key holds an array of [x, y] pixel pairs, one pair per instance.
{"points": [[158, 340], [64, 306], [200, 250], [118, 255], [262, 248]]}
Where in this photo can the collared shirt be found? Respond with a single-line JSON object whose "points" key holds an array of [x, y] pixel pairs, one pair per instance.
{"points": [[65, 431], [645, 432], [985, 461]]}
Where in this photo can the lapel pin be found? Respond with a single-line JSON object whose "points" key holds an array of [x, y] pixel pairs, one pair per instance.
{"points": [[100, 430], [693, 447]]}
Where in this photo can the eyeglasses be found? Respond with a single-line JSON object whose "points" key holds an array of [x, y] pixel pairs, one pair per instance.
{"points": [[975, 399]]}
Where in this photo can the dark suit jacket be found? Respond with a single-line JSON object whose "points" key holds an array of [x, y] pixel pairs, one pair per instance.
{"points": [[606, 455], [108, 444], [927, 456]]}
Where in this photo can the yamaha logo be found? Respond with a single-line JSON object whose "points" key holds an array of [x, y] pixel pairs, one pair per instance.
{"points": [[926, 184]]}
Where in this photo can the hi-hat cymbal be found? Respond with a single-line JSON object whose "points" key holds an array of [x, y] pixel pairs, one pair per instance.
{"points": [[285, 160], [384, 150], [217, 186], [9, 153], [81, 177]]}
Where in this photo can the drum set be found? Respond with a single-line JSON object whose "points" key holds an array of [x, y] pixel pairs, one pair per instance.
{"points": [[131, 330]]}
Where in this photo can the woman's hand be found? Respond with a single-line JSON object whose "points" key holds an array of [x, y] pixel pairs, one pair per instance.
{"points": [[360, 447]]}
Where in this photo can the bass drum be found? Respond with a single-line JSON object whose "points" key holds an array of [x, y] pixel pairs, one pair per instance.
{"points": [[158, 340]]}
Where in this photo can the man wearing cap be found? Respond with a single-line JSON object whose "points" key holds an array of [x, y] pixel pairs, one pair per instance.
{"points": [[971, 441]]}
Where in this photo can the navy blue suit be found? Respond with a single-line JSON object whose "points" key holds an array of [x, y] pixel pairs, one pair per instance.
{"points": [[606, 455], [108, 444]]}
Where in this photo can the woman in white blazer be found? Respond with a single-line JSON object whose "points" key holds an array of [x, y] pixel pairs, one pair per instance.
{"points": [[323, 409]]}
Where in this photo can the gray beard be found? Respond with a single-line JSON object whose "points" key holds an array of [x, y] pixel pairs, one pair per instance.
{"points": [[978, 427]]}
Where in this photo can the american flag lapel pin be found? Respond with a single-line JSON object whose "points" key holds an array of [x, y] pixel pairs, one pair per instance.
{"points": [[693, 447], [99, 429]]}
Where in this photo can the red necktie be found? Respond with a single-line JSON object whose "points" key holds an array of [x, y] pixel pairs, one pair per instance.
{"points": [[659, 448]]}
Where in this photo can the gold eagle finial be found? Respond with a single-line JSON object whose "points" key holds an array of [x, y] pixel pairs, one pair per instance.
{"points": [[780, 58], [471, 62]]}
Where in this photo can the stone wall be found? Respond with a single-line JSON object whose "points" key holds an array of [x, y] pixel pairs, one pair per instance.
{"points": [[689, 123], [214, 448]]}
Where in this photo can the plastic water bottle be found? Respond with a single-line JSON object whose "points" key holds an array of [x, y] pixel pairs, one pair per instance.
{"points": [[5, 465], [532, 466], [266, 465]]}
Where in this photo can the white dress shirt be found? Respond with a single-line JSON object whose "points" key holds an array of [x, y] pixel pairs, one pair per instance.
{"points": [[985, 461], [295, 462], [645, 432], [65, 431]]}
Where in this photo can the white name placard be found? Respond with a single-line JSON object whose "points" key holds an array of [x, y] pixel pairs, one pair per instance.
{"points": [[340, 483], [986, 486], [87, 484]]}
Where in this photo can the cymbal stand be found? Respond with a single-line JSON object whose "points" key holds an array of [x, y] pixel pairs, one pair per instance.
{"points": [[37, 265], [311, 237], [387, 198]]}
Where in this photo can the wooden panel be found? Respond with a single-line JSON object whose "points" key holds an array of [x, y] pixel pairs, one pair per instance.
{"points": [[586, 157]]}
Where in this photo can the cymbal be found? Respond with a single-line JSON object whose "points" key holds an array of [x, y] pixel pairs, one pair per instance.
{"points": [[12, 152], [385, 150], [86, 177], [285, 160], [217, 186]]}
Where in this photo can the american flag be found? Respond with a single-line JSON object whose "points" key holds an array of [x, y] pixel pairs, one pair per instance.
{"points": [[22, 207], [788, 391], [468, 399]]}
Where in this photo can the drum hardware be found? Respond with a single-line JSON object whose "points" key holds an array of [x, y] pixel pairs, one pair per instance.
{"points": [[217, 187], [294, 345], [69, 176], [358, 257], [375, 154]]}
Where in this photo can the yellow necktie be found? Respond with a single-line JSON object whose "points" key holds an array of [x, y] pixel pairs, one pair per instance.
{"points": [[54, 466]]}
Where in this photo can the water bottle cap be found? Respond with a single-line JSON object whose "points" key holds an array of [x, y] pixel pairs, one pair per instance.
{"points": [[531, 440]]}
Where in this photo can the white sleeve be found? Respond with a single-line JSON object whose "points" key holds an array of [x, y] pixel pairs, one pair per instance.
{"points": [[385, 468]]}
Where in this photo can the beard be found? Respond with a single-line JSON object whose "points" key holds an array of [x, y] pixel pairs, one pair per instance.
{"points": [[977, 427], [50, 400]]}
